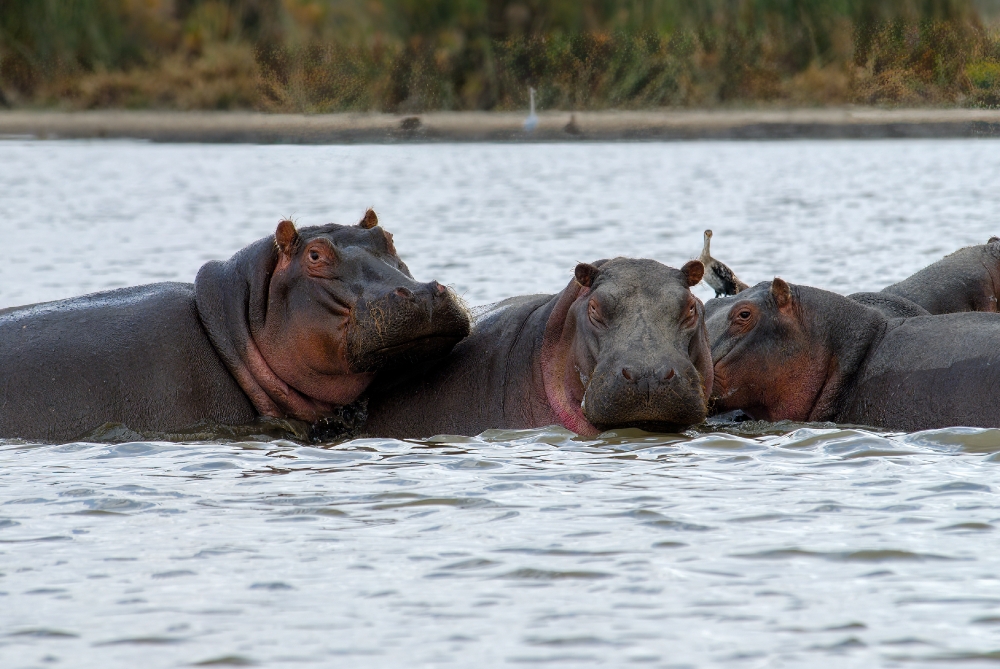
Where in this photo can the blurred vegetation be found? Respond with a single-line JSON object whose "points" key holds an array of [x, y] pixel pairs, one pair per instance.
{"points": [[416, 55]]}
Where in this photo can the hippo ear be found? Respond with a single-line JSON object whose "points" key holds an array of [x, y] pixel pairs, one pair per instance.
{"points": [[781, 292], [286, 237], [693, 270], [585, 274], [369, 221]]}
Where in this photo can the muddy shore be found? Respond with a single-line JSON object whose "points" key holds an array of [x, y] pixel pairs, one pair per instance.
{"points": [[250, 127]]}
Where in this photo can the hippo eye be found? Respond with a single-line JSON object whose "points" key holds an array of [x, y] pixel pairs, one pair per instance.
{"points": [[594, 313], [314, 255], [744, 315]]}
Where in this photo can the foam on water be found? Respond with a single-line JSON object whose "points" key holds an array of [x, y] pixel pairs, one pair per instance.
{"points": [[754, 545]]}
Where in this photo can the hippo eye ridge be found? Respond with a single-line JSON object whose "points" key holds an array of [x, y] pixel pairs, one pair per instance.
{"points": [[742, 318], [594, 312], [691, 314]]}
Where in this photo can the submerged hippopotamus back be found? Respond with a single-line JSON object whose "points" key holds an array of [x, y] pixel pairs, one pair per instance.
{"points": [[966, 280], [293, 326], [622, 345], [804, 354]]}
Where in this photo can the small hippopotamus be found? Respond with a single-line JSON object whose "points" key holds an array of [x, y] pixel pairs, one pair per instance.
{"points": [[804, 354], [293, 326], [623, 344], [966, 280]]}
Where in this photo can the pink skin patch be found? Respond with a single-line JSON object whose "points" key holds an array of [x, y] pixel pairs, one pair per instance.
{"points": [[273, 397], [563, 388]]}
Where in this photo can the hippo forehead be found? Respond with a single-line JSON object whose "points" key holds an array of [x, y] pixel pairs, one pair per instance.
{"points": [[346, 236], [639, 282], [356, 245], [717, 309]]}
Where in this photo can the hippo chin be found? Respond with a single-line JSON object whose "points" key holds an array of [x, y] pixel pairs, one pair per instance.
{"points": [[805, 354], [623, 345], [293, 326]]}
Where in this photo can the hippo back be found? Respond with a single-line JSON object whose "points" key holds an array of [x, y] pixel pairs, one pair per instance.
{"points": [[890, 305], [966, 280], [931, 372], [136, 356]]}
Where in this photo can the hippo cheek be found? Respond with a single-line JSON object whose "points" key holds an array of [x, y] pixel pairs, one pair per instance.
{"points": [[406, 328], [668, 398]]}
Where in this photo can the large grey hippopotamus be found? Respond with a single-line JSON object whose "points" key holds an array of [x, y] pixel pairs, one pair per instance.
{"points": [[966, 280], [623, 344], [799, 353], [293, 326]]}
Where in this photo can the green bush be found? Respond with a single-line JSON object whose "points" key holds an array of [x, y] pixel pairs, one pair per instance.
{"points": [[414, 55]]}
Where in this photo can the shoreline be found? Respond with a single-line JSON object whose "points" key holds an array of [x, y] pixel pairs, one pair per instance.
{"points": [[553, 126]]}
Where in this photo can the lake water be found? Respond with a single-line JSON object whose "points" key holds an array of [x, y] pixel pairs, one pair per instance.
{"points": [[731, 546]]}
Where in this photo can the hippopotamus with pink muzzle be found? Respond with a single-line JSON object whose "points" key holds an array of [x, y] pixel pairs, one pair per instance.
{"points": [[623, 345], [787, 352], [294, 326]]}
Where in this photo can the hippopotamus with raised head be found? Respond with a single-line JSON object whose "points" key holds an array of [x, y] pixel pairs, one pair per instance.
{"points": [[966, 280], [804, 354], [293, 326], [622, 345]]}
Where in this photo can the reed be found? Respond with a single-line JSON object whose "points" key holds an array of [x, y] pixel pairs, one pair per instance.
{"points": [[416, 55]]}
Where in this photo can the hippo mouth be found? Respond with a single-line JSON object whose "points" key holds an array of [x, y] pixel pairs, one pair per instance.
{"points": [[396, 363], [419, 348]]}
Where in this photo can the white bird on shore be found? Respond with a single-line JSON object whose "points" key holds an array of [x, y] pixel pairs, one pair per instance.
{"points": [[717, 274], [531, 122]]}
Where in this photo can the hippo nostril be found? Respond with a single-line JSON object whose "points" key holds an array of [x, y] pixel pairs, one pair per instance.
{"points": [[437, 288], [405, 293], [669, 374], [627, 373]]}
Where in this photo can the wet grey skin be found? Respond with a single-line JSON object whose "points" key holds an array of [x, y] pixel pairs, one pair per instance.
{"points": [[293, 326], [623, 345], [794, 352], [966, 280], [891, 306]]}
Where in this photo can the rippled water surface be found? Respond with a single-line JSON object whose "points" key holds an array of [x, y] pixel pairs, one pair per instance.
{"points": [[730, 546]]}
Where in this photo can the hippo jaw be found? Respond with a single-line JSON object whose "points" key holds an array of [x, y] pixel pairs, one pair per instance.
{"points": [[406, 329]]}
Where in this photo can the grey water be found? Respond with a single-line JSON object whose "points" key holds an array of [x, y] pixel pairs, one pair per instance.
{"points": [[758, 545]]}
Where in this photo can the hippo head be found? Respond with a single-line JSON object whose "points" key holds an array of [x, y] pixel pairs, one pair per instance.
{"points": [[625, 346], [782, 351], [306, 319]]}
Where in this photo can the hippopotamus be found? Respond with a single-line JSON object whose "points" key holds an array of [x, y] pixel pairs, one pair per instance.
{"points": [[799, 353], [293, 326], [966, 280], [622, 345]]}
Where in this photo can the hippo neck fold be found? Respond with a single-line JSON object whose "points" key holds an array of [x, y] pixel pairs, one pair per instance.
{"points": [[230, 297], [563, 388]]}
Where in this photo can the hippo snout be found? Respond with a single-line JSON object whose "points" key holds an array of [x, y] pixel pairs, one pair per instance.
{"points": [[664, 397], [408, 325], [433, 290]]}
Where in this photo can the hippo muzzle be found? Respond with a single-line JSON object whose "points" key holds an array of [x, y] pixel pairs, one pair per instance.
{"points": [[659, 395], [410, 326]]}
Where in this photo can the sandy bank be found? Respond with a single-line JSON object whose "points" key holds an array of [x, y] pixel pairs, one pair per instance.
{"points": [[839, 123]]}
